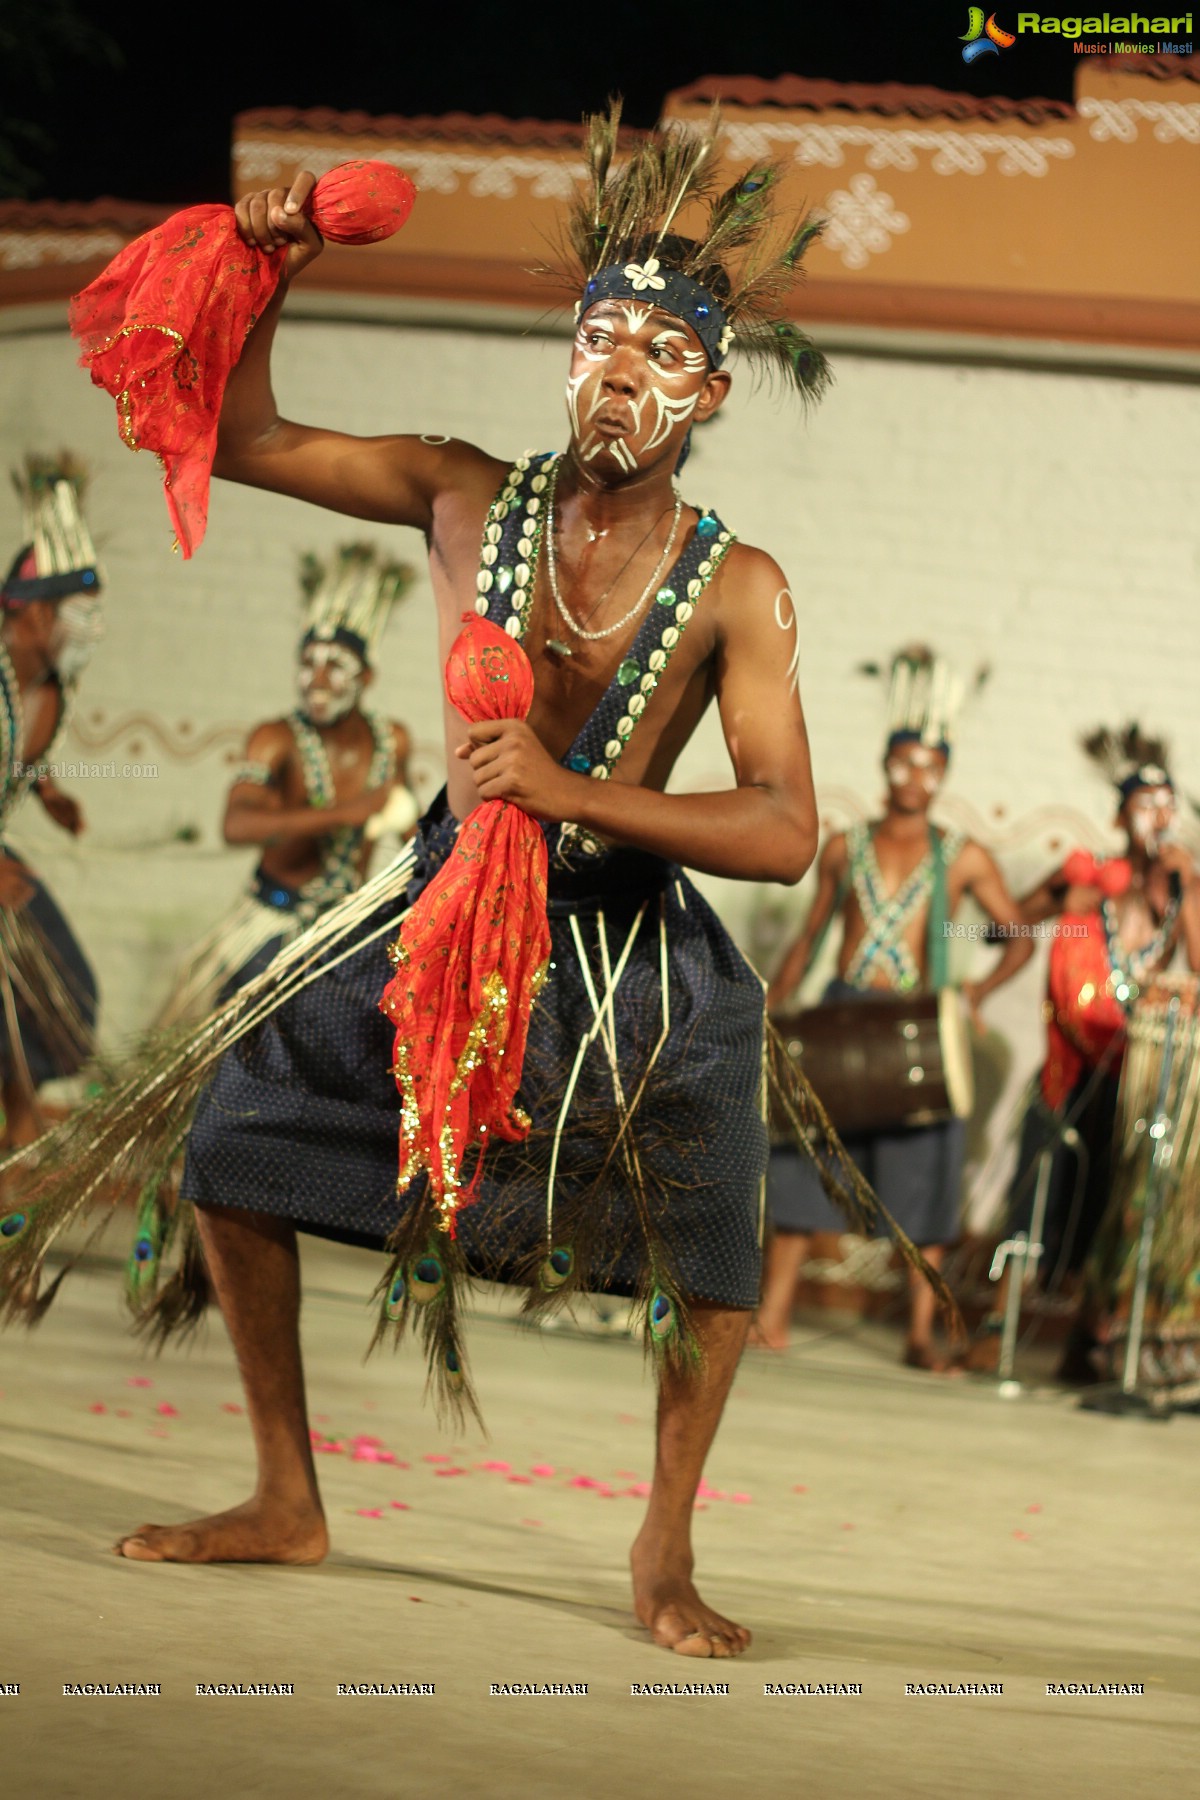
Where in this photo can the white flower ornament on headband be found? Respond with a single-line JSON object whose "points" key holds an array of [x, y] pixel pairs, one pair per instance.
{"points": [[645, 275]]}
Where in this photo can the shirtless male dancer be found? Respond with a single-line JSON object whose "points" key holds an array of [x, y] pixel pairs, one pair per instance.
{"points": [[644, 368]]}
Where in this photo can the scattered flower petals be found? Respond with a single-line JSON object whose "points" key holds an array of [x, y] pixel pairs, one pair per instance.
{"points": [[584, 1481], [522, 1480], [799, 1490], [139, 1381], [699, 1505], [416, 1599], [452, 1471], [627, 1418], [331, 1447], [159, 1431], [1034, 1508], [97, 1406], [437, 1459], [639, 1490], [360, 1437], [626, 1474], [1022, 1535], [741, 1499], [847, 1528], [167, 1410], [541, 1469], [370, 1512], [231, 1406], [495, 1468], [534, 1522], [123, 1412], [400, 1506]]}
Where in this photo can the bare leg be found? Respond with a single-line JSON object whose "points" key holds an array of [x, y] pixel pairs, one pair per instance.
{"points": [[786, 1256], [255, 1268], [919, 1352], [689, 1410]]}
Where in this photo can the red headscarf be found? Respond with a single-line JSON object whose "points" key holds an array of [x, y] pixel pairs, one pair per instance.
{"points": [[165, 323]]}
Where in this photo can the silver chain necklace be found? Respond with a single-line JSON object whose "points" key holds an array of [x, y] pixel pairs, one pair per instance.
{"points": [[569, 618]]}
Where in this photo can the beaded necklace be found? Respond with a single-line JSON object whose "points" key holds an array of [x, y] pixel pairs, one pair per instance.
{"points": [[1131, 967], [885, 916], [339, 848]]}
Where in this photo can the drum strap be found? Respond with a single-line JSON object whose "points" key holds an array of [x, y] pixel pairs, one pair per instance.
{"points": [[936, 943]]}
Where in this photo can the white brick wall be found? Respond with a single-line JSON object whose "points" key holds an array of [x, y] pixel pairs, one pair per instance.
{"points": [[1047, 523]]}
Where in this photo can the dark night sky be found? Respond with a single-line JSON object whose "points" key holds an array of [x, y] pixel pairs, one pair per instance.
{"points": [[160, 129]]}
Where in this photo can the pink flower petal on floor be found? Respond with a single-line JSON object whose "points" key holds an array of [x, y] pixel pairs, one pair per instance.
{"points": [[97, 1406], [436, 1459], [626, 1474], [167, 1410], [799, 1490], [370, 1512], [159, 1431], [321, 1418], [699, 1505], [741, 1499], [1034, 1508], [123, 1412], [139, 1381], [1022, 1535], [372, 1443], [331, 1447], [452, 1471], [416, 1599], [639, 1490], [397, 1464], [231, 1406], [495, 1468], [583, 1481], [366, 1453], [847, 1528], [542, 1470], [534, 1522], [628, 1419], [522, 1480], [400, 1506]]}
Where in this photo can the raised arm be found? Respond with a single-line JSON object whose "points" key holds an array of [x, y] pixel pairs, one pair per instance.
{"points": [[765, 828], [255, 812], [794, 967], [395, 480]]}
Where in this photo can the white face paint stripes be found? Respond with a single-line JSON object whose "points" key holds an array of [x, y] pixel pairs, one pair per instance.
{"points": [[669, 360]]}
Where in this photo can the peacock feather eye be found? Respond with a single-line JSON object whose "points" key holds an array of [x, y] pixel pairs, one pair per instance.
{"points": [[663, 1322], [557, 1267], [426, 1278], [395, 1298], [454, 1374], [13, 1224]]}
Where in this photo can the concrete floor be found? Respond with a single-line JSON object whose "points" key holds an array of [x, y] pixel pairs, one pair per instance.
{"points": [[875, 1527]]}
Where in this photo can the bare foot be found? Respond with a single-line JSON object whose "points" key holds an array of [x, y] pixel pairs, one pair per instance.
{"points": [[923, 1356], [256, 1531], [667, 1604], [765, 1336]]}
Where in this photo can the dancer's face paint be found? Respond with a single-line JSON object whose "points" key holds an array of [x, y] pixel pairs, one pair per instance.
{"points": [[78, 628], [914, 775], [1150, 815], [330, 682], [639, 378]]}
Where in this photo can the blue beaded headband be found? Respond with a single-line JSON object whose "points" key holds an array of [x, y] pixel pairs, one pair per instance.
{"points": [[674, 292], [341, 634], [21, 591], [1150, 775], [899, 739]]}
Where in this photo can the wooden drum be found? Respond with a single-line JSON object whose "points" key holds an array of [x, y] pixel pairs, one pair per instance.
{"points": [[884, 1063]]}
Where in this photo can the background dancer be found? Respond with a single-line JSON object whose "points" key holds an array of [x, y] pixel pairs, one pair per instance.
{"points": [[893, 885], [316, 789], [51, 621], [1121, 921]]}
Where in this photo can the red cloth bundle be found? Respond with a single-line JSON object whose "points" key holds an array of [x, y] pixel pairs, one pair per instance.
{"points": [[1081, 869], [165, 323], [471, 956], [1084, 1017]]}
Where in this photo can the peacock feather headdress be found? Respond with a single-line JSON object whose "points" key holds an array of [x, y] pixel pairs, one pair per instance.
{"points": [[58, 558], [729, 279], [349, 597], [1129, 757], [925, 696]]}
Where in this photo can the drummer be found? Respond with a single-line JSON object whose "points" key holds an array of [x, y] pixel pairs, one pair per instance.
{"points": [[895, 885], [1121, 921]]}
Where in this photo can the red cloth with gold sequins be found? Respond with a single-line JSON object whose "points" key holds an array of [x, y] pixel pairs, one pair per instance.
{"points": [[1083, 1017], [472, 954], [163, 326]]}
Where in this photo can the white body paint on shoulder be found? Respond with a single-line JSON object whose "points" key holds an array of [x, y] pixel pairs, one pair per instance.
{"points": [[787, 620]]}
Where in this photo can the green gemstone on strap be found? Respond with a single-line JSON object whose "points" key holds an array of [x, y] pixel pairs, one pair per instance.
{"points": [[665, 596], [504, 578], [628, 672]]}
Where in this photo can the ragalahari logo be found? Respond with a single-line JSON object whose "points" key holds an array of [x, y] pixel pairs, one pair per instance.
{"points": [[983, 37]]}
